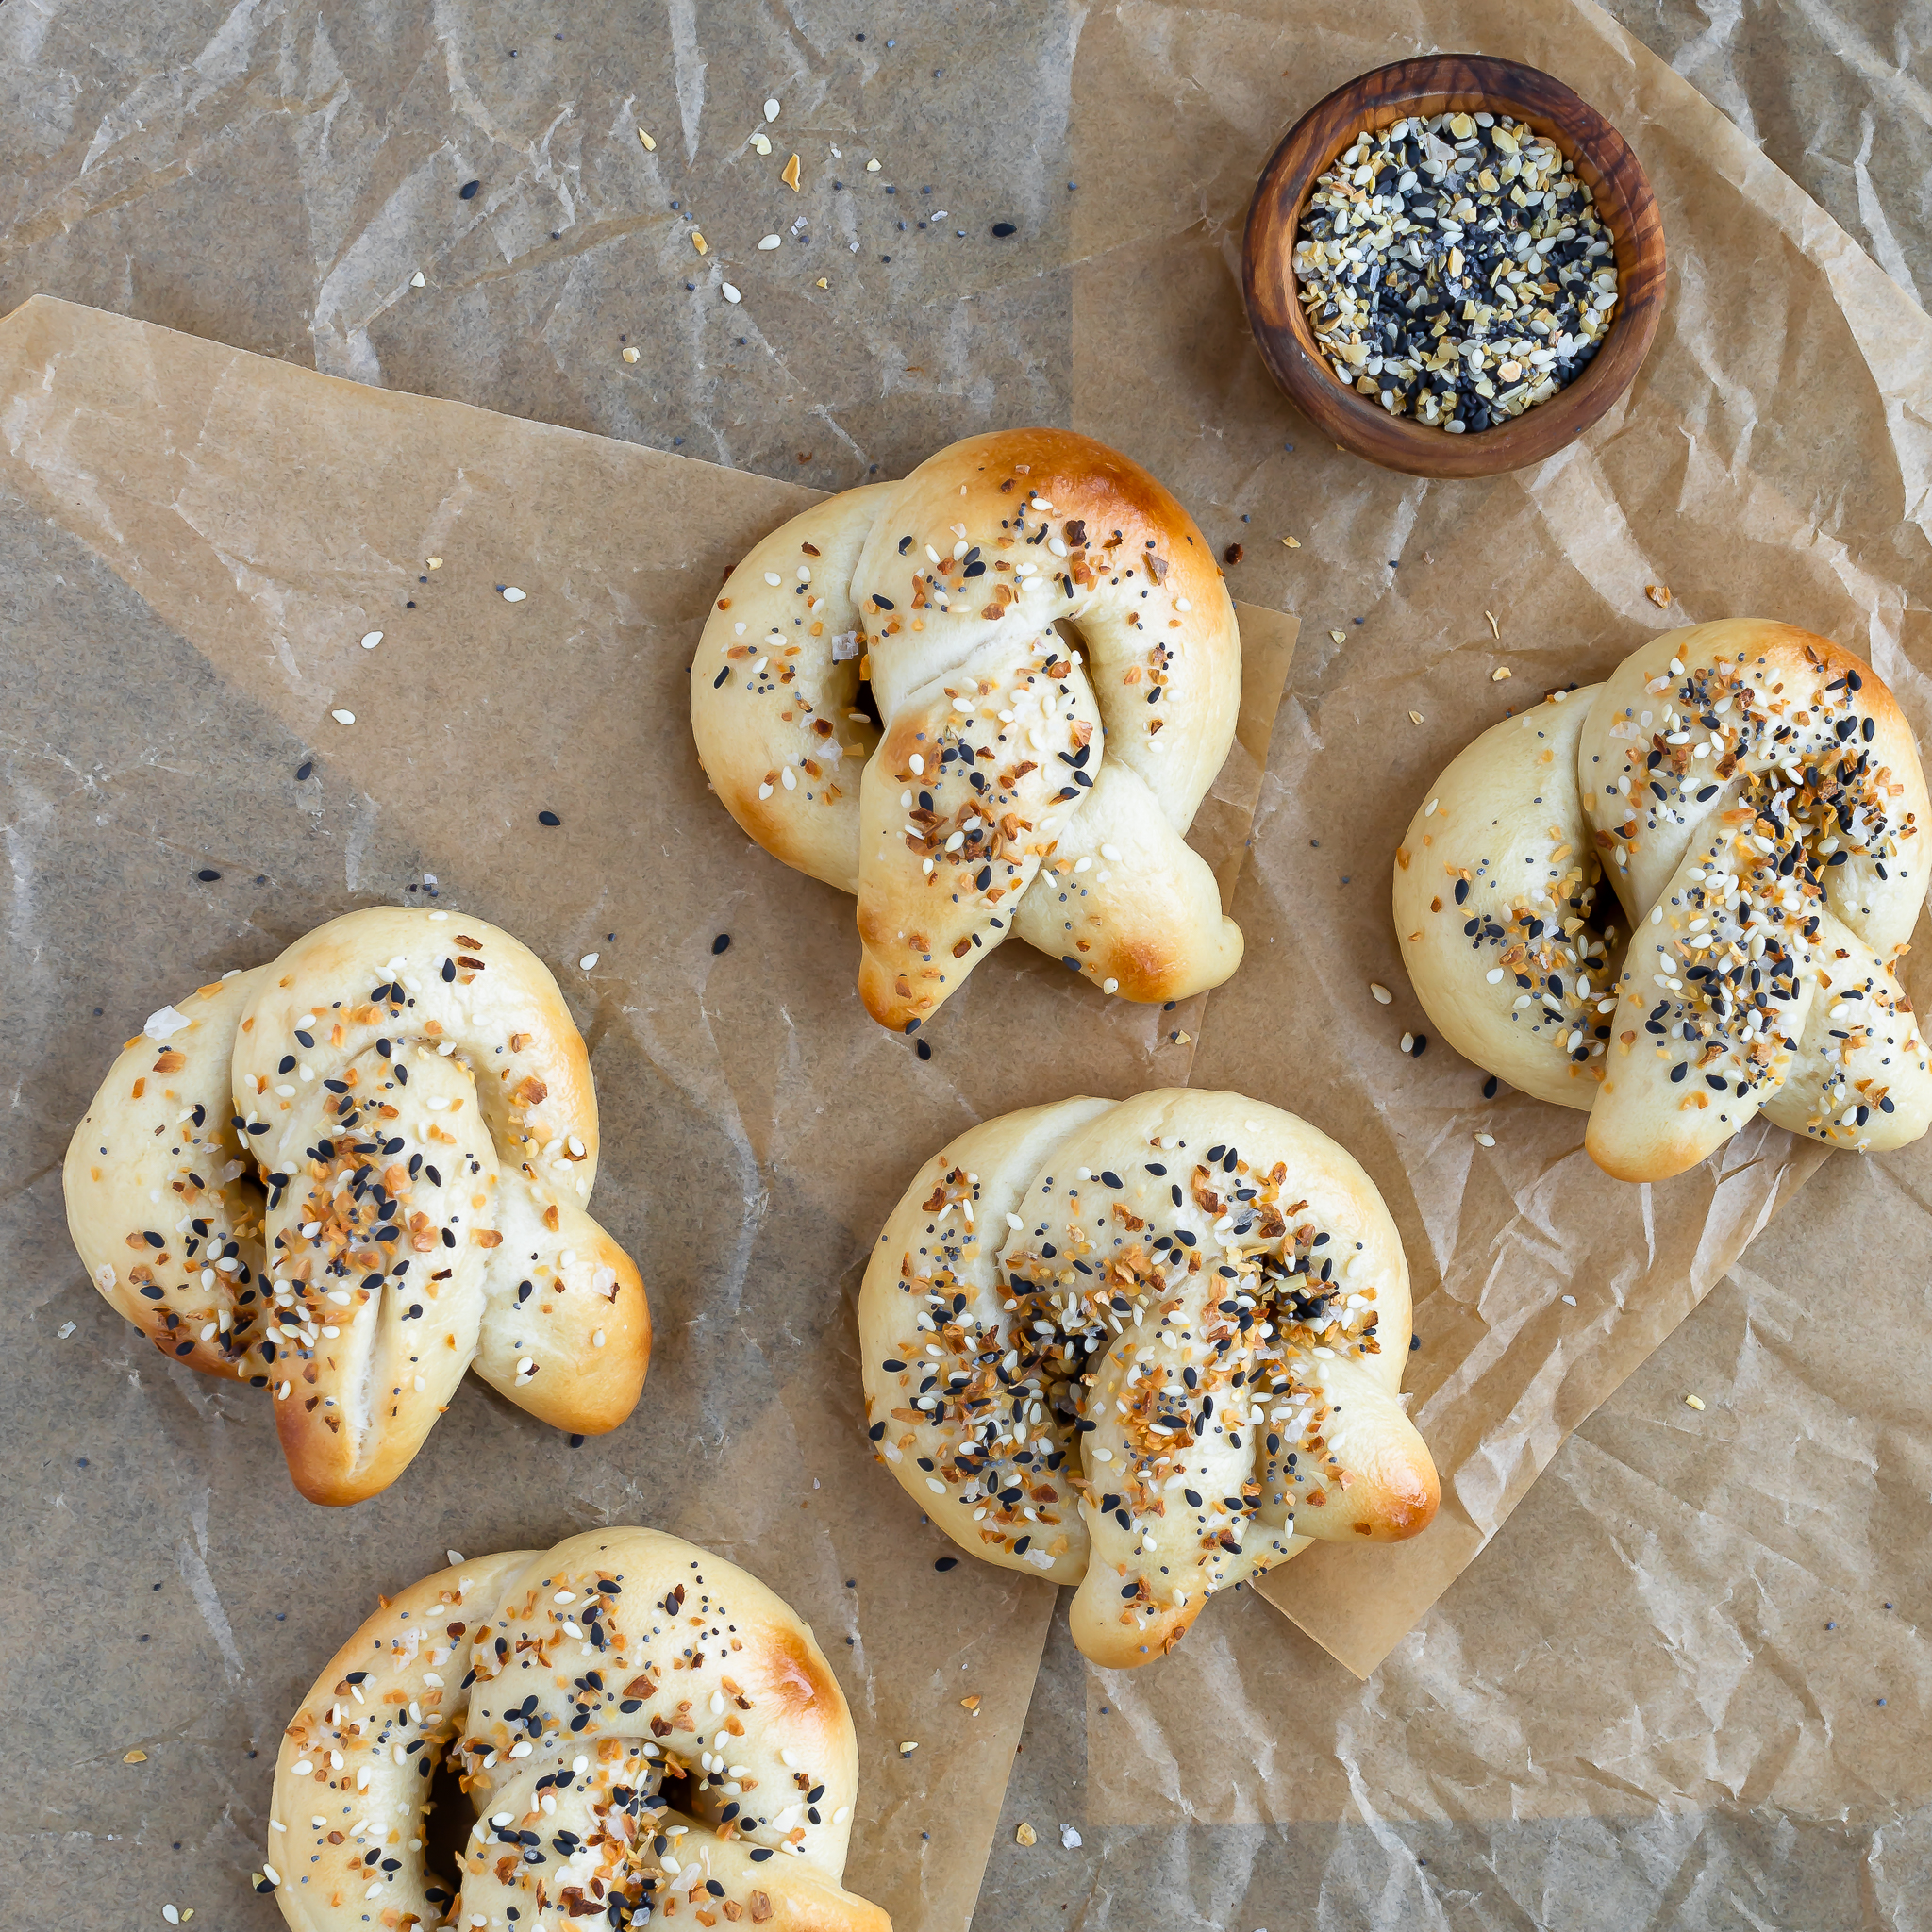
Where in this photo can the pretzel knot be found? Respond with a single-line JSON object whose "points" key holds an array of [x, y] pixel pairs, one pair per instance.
{"points": [[355, 1173], [580, 1694], [1026, 780], [1755, 797], [1151, 1347]]}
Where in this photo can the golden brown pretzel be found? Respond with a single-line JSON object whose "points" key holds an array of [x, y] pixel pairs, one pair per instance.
{"points": [[583, 1693], [355, 1173], [1755, 797], [1027, 781], [1151, 1347]]}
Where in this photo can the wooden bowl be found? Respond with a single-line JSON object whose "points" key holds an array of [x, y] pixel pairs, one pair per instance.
{"points": [[1452, 83]]}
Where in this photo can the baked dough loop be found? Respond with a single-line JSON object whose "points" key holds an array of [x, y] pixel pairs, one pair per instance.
{"points": [[355, 1173], [1754, 796], [641, 1727], [1151, 1347], [1056, 661]]}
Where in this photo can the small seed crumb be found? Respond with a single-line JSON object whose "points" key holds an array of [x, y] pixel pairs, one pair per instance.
{"points": [[1495, 628], [908, 1747], [790, 176], [872, 167], [1658, 595], [1339, 637], [1693, 1402], [135, 1758], [970, 1704], [1025, 1835], [697, 241], [650, 145], [435, 562], [1292, 543], [1499, 672], [631, 354], [1415, 717]]}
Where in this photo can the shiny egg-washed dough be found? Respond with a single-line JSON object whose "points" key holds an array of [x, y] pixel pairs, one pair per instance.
{"points": [[1755, 797], [1092, 749], [352, 1174], [641, 1729], [1151, 1347]]}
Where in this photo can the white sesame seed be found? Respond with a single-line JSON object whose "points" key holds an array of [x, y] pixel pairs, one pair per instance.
{"points": [[770, 242], [343, 716], [771, 111], [589, 961], [730, 294], [1109, 986], [1381, 993], [371, 640], [1485, 1140], [511, 595]]}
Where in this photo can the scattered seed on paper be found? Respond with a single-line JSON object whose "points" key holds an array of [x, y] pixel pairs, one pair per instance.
{"points": [[872, 167], [770, 242], [343, 716], [771, 111], [650, 145], [1693, 1402], [790, 176], [761, 144], [435, 563], [589, 961], [1382, 993], [416, 279], [1341, 636], [631, 354], [1658, 595], [66, 1329], [908, 1747], [730, 294], [1415, 717], [1292, 543], [1495, 628], [135, 1758], [455, 1556], [1485, 1140], [511, 595], [1025, 1835], [1499, 672], [697, 241], [371, 639]]}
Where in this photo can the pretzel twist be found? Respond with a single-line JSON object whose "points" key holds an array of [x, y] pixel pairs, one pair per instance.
{"points": [[1754, 794], [1151, 1347], [356, 1172], [1022, 783], [639, 1726]]}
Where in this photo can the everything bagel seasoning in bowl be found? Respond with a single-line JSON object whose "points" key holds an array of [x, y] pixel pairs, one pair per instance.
{"points": [[1454, 269]]}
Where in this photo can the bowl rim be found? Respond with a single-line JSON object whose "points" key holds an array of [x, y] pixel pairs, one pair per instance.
{"points": [[1431, 84]]}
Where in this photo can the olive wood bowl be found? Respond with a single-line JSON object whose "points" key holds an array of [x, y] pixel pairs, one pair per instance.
{"points": [[1440, 84]]}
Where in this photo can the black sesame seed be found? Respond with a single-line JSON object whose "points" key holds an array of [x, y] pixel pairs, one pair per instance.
{"points": [[548, 818]]}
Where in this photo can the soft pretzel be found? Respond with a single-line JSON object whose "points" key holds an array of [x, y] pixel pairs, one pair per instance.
{"points": [[1151, 1347], [355, 1173], [1023, 782], [639, 1726], [1755, 797]]}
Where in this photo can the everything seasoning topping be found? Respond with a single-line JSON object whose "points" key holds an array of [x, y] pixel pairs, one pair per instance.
{"points": [[615, 1736], [1746, 937], [1456, 270], [1172, 1319]]}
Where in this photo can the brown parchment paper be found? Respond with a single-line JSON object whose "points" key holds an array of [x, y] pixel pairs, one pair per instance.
{"points": [[194, 543], [1770, 458]]}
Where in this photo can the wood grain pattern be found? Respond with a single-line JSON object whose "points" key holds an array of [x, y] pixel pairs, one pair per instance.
{"points": [[1449, 83]]}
